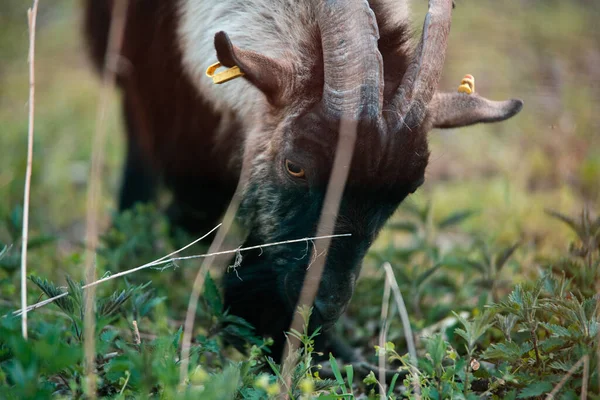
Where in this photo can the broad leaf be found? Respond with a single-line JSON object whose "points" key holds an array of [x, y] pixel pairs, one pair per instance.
{"points": [[212, 296], [535, 389], [456, 218]]}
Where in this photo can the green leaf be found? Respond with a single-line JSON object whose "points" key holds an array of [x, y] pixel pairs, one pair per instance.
{"points": [[503, 351], [370, 379], [425, 212], [511, 395], [554, 343], [456, 218], [569, 221], [453, 262], [233, 332], [569, 394], [212, 296], [426, 274], [436, 348], [75, 292], [107, 307], [64, 303], [535, 389], [392, 385], [474, 329], [505, 255], [223, 385], [565, 366], [404, 227], [349, 375], [516, 297], [484, 283], [235, 320], [16, 218], [479, 266], [557, 330], [40, 241], [177, 336], [462, 334], [144, 302], [3, 251], [336, 371], [275, 368]]}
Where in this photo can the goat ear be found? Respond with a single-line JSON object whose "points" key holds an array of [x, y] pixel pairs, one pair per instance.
{"points": [[453, 110], [272, 77]]}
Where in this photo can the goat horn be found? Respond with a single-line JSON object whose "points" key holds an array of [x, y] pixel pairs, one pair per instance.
{"points": [[423, 75], [353, 67]]}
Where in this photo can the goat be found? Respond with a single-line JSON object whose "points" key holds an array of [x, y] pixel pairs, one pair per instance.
{"points": [[306, 64]]}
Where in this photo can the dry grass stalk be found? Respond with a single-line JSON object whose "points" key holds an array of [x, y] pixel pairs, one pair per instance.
{"points": [[410, 340], [190, 315], [584, 360], [207, 262], [598, 334], [165, 259], [115, 39], [586, 377], [259, 246], [333, 196], [213, 251], [136, 333], [31, 18], [385, 304]]}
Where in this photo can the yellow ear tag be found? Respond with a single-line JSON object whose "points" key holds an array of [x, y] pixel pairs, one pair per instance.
{"points": [[467, 85], [224, 76]]}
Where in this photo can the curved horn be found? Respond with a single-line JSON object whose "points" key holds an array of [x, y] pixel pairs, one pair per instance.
{"points": [[353, 84], [452, 110], [423, 75]]}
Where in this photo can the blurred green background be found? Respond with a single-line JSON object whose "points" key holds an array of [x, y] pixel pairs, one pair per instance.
{"points": [[546, 52]]}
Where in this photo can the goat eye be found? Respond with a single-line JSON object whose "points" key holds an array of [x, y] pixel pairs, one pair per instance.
{"points": [[294, 169]]}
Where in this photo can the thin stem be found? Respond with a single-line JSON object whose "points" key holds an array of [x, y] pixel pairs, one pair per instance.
{"points": [[123, 273], [598, 334], [535, 346], [326, 225], [385, 303], [243, 249], [31, 18], [586, 377], [562, 382], [190, 315], [467, 383], [410, 341], [163, 260], [136, 333], [113, 50]]}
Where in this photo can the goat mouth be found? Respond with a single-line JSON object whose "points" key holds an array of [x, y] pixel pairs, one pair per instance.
{"points": [[317, 318]]}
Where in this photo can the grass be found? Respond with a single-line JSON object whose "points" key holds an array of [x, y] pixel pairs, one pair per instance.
{"points": [[508, 174]]}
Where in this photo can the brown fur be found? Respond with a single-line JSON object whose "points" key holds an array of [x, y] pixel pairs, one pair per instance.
{"points": [[173, 124]]}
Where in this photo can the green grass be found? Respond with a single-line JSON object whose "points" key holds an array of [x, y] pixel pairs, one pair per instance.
{"points": [[548, 157]]}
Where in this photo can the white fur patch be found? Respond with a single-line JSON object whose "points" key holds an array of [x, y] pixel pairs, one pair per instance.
{"points": [[270, 27]]}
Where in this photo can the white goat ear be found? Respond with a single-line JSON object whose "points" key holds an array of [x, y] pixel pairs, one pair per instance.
{"points": [[453, 110], [272, 77]]}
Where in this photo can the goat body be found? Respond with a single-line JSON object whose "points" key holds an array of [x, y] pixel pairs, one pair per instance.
{"points": [[307, 64]]}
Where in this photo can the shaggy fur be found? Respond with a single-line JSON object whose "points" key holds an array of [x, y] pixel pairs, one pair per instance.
{"points": [[306, 63], [275, 28]]}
